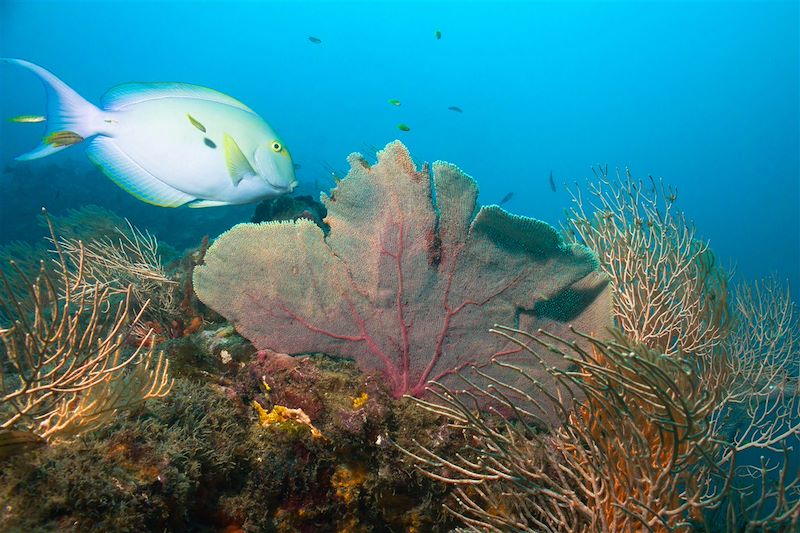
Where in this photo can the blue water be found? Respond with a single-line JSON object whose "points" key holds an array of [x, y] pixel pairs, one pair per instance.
{"points": [[703, 94]]}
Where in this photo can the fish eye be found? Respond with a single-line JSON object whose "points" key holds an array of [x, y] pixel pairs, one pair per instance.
{"points": [[276, 146]]}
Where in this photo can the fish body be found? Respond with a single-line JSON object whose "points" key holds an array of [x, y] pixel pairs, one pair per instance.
{"points": [[315, 40], [456, 109], [394, 101], [438, 34], [162, 148], [403, 127], [27, 119], [552, 182], [507, 197], [169, 144]]}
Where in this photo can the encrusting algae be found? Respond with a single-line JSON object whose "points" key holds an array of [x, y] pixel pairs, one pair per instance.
{"points": [[285, 418], [359, 402]]}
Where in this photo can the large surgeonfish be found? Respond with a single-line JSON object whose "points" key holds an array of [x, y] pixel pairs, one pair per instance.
{"points": [[168, 144]]}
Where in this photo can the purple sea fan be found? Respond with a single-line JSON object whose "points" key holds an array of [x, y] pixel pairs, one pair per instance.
{"points": [[409, 280]]}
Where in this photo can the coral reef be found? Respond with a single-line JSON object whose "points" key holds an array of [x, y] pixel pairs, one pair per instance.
{"points": [[202, 460], [154, 472], [655, 417], [554, 424], [409, 279]]}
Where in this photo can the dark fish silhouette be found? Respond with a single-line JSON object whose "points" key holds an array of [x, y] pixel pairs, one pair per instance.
{"points": [[552, 183], [16, 442], [507, 197], [315, 40], [335, 174], [438, 34], [456, 109]]}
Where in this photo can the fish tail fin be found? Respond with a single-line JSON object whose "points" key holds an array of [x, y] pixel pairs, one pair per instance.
{"points": [[70, 118]]}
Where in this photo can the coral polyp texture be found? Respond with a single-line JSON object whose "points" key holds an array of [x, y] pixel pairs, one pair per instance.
{"points": [[409, 280]]}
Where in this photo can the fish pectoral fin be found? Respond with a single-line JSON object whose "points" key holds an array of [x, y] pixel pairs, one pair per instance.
{"points": [[129, 175], [238, 165], [208, 203]]}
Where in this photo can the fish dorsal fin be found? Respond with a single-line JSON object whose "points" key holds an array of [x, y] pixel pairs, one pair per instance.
{"points": [[238, 165], [127, 94]]}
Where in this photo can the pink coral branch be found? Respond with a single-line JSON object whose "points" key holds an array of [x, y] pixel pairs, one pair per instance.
{"points": [[404, 328], [372, 346]]}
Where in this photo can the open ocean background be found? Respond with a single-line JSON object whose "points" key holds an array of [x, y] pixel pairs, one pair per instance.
{"points": [[703, 94]]}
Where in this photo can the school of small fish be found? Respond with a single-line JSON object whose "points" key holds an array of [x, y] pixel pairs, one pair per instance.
{"points": [[395, 102]]}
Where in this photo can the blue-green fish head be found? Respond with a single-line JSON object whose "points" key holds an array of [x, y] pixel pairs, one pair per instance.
{"points": [[274, 165]]}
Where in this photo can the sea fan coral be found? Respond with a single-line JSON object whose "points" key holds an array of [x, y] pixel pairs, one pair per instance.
{"points": [[408, 281]]}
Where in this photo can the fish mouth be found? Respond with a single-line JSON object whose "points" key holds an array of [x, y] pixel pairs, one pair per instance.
{"points": [[284, 188]]}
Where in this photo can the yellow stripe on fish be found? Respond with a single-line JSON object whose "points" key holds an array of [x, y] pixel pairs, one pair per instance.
{"points": [[196, 123]]}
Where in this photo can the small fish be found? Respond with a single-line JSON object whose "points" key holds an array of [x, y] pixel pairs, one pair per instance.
{"points": [[16, 442], [315, 40], [506, 198], [196, 123], [137, 138], [394, 101], [27, 119], [403, 127], [552, 182], [61, 139], [438, 34], [456, 109], [298, 166]]}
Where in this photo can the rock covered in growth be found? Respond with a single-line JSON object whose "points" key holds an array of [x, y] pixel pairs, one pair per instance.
{"points": [[286, 208], [409, 279]]}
